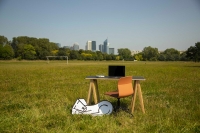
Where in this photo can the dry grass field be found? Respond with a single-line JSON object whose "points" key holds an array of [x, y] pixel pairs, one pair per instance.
{"points": [[38, 97]]}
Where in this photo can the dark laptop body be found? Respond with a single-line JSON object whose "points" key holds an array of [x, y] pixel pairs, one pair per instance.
{"points": [[116, 71]]}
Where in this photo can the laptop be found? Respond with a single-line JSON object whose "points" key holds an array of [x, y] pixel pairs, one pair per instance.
{"points": [[116, 71]]}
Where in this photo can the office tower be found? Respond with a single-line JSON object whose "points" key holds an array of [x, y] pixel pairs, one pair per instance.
{"points": [[101, 47], [111, 51], [75, 46], [106, 46], [93, 45], [88, 45]]}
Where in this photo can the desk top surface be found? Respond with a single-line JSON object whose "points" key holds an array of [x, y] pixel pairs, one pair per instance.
{"points": [[114, 78]]}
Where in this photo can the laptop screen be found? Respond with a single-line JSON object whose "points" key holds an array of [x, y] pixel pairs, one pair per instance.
{"points": [[114, 70]]}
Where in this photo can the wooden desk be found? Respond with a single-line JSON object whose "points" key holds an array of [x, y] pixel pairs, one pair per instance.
{"points": [[93, 90]]}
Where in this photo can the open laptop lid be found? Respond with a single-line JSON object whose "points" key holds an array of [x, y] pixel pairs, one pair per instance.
{"points": [[116, 71]]}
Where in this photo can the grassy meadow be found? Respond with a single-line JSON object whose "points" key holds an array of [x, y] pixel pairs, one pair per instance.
{"points": [[38, 97]]}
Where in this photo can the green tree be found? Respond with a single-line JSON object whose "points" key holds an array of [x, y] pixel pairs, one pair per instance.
{"points": [[138, 57], [25, 51], [94, 56], [62, 52], [117, 57], [42, 46], [54, 52], [108, 57], [1, 50], [86, 56], [104, 56], [193, 52], [6, 52], [14, 45], [29, 52], [124, 53], [113, 57], [19, 50], [81, 51], [162, 57], [150, 53], [183, 56], [99, 55], [74, 54], [3, 40], [172, 54]]}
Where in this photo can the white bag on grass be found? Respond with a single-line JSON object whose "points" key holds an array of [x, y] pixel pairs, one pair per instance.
{"points": [[101, 108]]}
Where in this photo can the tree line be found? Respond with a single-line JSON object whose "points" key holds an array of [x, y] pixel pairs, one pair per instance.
{"points": [[30, 48]]}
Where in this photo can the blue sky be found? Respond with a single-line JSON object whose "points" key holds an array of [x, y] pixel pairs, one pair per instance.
{"points": [[132, 24]]}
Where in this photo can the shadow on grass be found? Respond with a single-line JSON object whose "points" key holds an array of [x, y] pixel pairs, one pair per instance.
{"points": [[123, 108]]}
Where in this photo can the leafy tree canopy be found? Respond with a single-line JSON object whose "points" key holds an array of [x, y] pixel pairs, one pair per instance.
{"points": [[193, 52], [29, 52], [3, 40], [150, 53], [138, 57], [6, 52], [171, 54], [171, 51], [124, 53]]}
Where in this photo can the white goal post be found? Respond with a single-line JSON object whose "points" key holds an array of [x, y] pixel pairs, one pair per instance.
{"points": [[56, 56]]}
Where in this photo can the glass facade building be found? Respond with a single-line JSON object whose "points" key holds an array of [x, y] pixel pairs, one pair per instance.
{"points": [[93, 45], [101, 47], [111, 51], [106, 46]]}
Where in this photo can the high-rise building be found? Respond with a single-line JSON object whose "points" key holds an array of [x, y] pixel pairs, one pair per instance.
{"points": [[101, 47], [106, 46], [93, 45], [75, 46], [88, 45], [111, 51]]}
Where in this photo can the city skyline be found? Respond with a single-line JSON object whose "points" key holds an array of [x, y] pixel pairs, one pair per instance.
{"points": [[128, 24]]}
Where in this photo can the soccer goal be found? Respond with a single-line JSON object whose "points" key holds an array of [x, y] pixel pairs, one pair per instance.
{"points": [[55, 57]]}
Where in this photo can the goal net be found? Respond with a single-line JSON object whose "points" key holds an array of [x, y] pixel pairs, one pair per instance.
{"points": [[56, 57]]}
